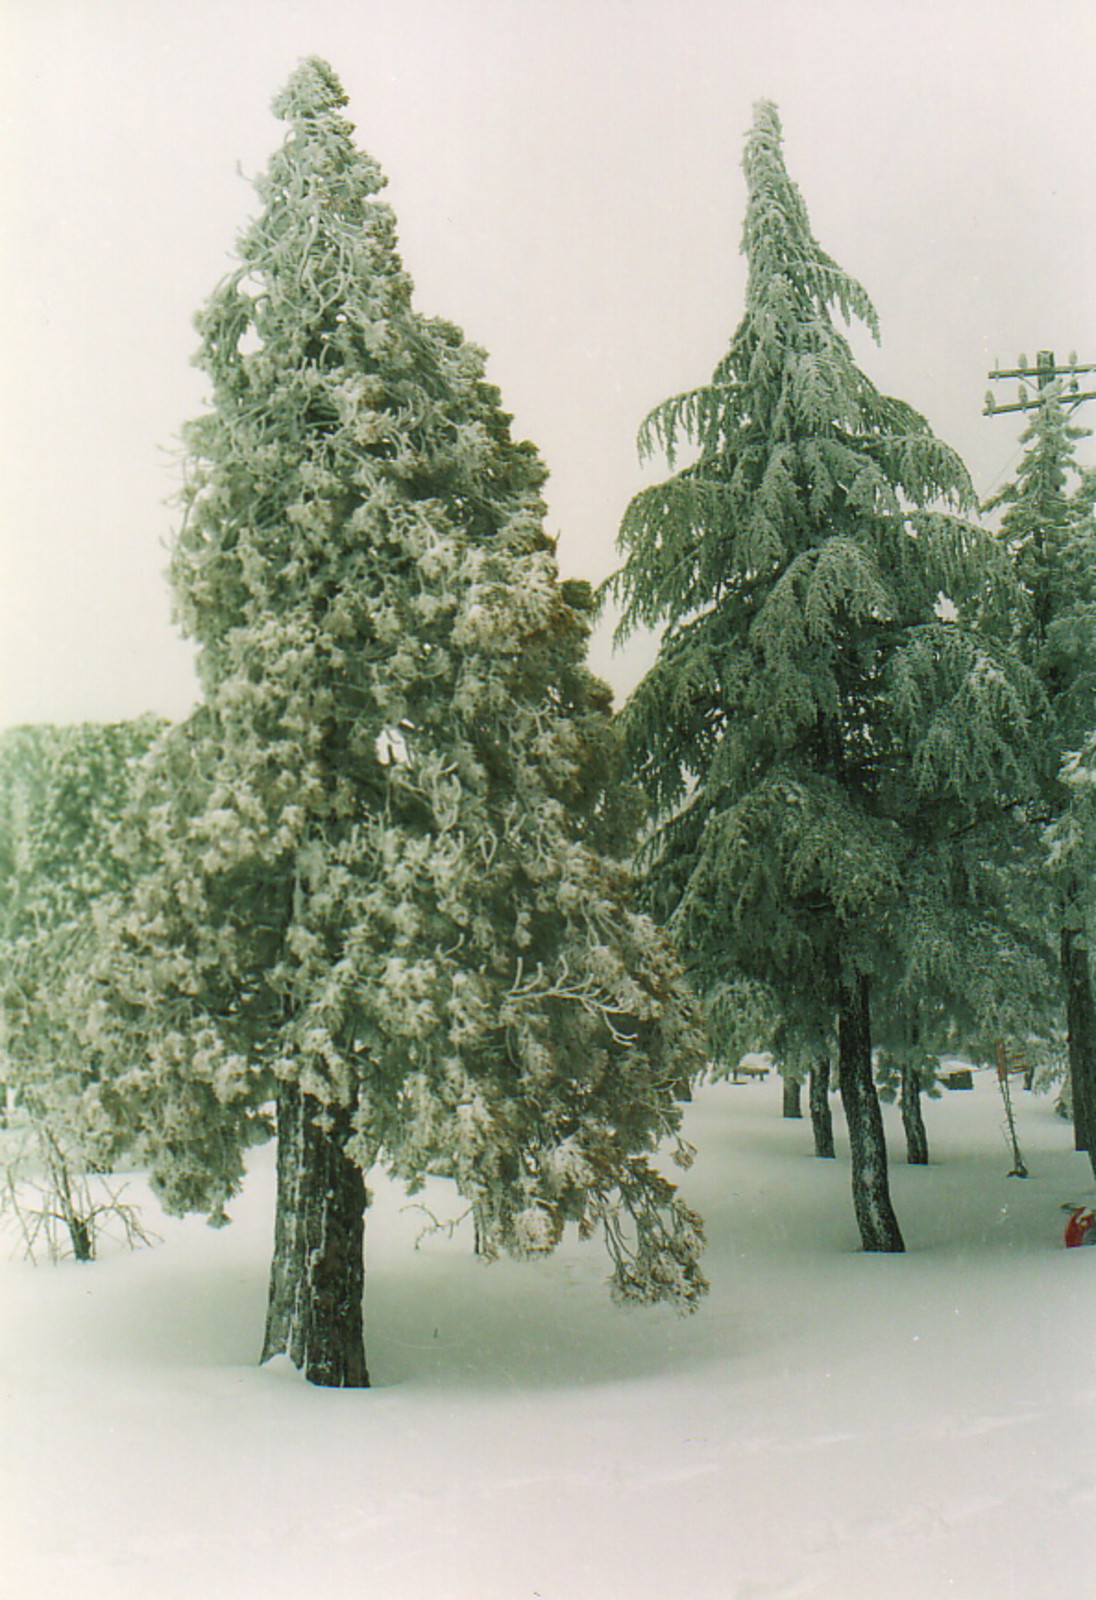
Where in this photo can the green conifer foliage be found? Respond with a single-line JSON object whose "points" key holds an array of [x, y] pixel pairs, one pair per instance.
{"points": [[1049, 527], [62, 791], [816, 722], [384, 860]]}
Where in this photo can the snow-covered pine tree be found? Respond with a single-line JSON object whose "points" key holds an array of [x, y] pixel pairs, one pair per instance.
{"points": [[62, 792], [1049, 528], [383, 861], [21, 761], [817, 728]]}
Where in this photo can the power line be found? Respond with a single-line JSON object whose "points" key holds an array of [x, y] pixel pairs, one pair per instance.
{"points": [[1047, 374]]}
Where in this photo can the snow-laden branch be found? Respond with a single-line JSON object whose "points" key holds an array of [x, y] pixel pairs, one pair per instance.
{"points": [[587, 992]]}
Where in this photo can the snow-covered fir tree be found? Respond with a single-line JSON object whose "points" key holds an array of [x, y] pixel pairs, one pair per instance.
{"points": [[62, 792], [820, 733], [383, 862], [1050, 530]]}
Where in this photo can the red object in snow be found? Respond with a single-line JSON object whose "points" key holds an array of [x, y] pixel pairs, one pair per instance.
{"points": [[1081, 1227]]}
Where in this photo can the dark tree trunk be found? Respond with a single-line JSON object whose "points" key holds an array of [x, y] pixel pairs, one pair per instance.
{"points": [[77, 1211], [792, 1097], [821, 1115], [917, 1141], [317, 1278], [870, 1190], [1081, 1031]]}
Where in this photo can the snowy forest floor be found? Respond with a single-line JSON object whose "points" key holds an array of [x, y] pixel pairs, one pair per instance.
{"points": [[829, 1425]]}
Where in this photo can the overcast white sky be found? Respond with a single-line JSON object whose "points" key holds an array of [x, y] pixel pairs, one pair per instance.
{"points": [[566, 177]]}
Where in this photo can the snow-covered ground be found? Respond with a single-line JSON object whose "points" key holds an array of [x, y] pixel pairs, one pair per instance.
{"points": [[829, 1425]]}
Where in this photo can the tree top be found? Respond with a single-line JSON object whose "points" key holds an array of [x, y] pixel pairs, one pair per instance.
{"points": [[785, 260], [312, 90], [766, 125]]}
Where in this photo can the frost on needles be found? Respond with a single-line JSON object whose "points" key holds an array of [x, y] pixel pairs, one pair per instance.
{"points": [[383, 863], [1049, 528], [61, 792], [829, 751]]}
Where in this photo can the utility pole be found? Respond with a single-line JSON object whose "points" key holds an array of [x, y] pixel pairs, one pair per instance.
{"points": [[1044, 372]]}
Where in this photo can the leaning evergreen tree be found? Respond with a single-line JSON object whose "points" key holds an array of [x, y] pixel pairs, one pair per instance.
{"points": [[819, 734], [383, 860], [1050, 530]]}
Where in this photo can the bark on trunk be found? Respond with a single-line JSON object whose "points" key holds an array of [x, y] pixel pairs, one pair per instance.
{"points": [[821, 1115], [792, 1097], [917, 1142], [1081, 1031], [870, 1189], [79, 1217], [317, 1278]]}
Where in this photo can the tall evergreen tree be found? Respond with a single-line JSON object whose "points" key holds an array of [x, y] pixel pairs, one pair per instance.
{"points": [[383, 861], [819, 733], [1050, 529]]}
